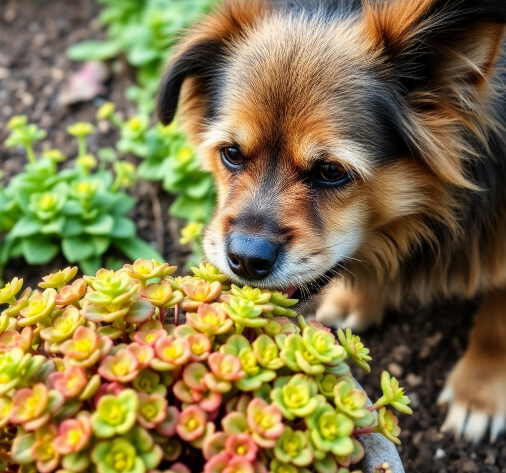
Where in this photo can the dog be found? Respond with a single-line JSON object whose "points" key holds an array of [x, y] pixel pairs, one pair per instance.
{"points": [[362, 141]]}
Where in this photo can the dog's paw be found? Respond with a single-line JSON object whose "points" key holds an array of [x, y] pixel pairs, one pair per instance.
{"points": [[475, 393], [349, 308]]}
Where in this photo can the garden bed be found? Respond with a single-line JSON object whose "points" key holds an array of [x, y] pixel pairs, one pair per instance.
{"points": [[33, 38]]}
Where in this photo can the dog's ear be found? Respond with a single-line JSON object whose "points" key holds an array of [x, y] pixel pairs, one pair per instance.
{"points": [[202, 49], [436, 41], [438, 55]]}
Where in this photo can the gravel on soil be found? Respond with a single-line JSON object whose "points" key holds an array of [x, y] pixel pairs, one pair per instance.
{"points": [[418, 345]]}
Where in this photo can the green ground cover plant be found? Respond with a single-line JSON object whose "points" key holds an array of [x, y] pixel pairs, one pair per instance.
{"points": [[144, 32], [80, 209], [94, 378]]}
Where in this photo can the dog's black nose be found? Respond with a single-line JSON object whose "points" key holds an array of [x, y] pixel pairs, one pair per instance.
{"points": [[251, 257]]}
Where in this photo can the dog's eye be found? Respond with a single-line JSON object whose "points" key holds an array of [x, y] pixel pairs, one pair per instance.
{"points": [[231, 157], [331, 173]]}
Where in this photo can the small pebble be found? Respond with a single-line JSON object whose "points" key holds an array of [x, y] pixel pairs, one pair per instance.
{"points": [[413, 380], [490, 459], [470, 467], [395, 370], [440, 453], [434, 340], [415, 400], [7, 111]]}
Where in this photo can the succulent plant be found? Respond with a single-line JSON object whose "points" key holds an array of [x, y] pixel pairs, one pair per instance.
{"points": [[120, 390]]}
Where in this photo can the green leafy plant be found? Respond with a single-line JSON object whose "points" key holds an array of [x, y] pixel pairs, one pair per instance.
{"points": [[77, 210], [93, 377], [144, 31], [167, 157]]}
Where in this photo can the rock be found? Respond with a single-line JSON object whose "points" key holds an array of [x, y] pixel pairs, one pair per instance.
{"points": [[395, 370], [7, 111], [440, 453], [490, 459], [470, 466], [415, 400], [434, 340], [413, 380], [4, 73]]}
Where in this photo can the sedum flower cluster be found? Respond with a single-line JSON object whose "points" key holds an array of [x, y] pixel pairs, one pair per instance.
{"points": [[94, 378]]}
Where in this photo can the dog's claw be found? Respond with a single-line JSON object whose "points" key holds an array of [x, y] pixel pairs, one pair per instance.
{"points": [[476, 426], [455, 420], [497, 426]]}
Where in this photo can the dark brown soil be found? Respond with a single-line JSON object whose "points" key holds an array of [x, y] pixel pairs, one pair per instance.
{"points": [[419, 346]]}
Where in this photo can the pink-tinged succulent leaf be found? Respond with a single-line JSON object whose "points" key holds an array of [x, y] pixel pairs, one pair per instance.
{"points": [[235, 423], [183, 331], [121, 367], [265, 421], [47, 458], [143, 353], [140, 311], [179, 468], [21, 451], [13, 339], [73, 434], [226, 367], [209, 430], [174, 352], [29, 404], [167, 427], [241, 445], [113, 388], [217, 464], [152, 410], [214, 445], [193, 376], [82, 346], [183, 392], [157, 294], [210, 401], [210, 320], [200, 346], [191, 423], [70, 382], [149, 337], [71, 294]]}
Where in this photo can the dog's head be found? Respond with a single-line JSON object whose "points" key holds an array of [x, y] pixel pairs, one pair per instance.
{"points": [[336, 131]]}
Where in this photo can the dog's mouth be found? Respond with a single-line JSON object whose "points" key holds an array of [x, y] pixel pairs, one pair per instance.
{"points": [[312, 288]]}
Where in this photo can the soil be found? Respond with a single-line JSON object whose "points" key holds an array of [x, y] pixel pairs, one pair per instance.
{"points": [[419, 345]]}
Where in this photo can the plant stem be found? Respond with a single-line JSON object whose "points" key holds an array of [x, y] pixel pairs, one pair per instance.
{"points": [[29, 153], [81, 140], [116, 120], [176, 315], [116, 185], [369, 430]]}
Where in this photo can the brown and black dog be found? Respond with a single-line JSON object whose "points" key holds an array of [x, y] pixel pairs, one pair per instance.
{"points": [[363, 141]]}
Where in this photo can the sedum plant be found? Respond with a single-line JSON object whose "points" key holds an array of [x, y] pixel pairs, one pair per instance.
{"points": [[144, 32], [80, 210], [99, 375], [167, 157]]}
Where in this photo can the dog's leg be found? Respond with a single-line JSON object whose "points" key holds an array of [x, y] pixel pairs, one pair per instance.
{"points": [[476, 389], [347, 307]]}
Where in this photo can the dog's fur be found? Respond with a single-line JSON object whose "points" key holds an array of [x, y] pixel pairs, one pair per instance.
{"points": [[406, 95]]}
